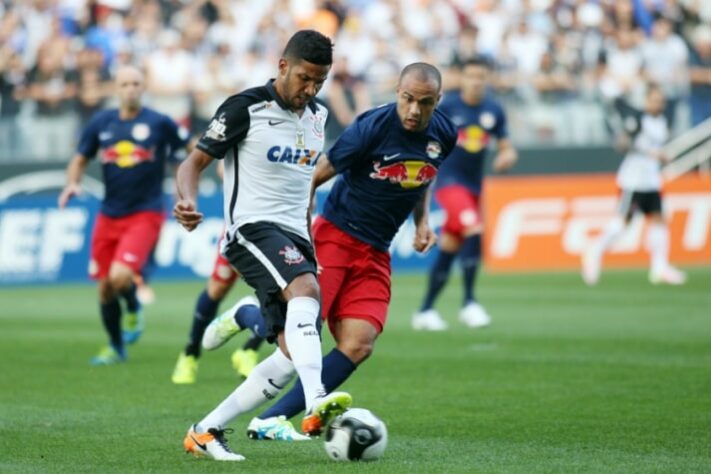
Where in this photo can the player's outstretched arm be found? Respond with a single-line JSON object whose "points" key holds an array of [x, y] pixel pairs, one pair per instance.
{"points": [[185, 210], [75, 171]]}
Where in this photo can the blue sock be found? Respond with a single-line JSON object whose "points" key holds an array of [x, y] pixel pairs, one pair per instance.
{"points": [[250, 317], [439, 274], [205, 311], [132, 303], [470, 255], [111, 317], [336, 369]]}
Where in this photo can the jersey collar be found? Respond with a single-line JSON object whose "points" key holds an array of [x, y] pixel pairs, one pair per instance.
{"points": [[272, 92]]}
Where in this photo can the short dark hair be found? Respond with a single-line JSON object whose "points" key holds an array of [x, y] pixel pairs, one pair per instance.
{"points": [[477, 60], [653, 87], [311, 46], [423, 72]]}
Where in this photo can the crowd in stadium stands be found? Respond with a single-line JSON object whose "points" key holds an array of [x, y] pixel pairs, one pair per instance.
{"points": [[557, 62]]}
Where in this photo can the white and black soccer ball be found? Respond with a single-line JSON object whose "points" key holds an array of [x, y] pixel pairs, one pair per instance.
{"points": [[356, 435]]}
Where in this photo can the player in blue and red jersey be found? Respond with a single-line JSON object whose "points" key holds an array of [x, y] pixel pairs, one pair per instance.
{"points": [[385, 162], [134, 143], [479, 119]]}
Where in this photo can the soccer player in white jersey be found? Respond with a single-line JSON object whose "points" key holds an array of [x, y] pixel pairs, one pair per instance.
{"points": [[639, 179], [270, 138]]}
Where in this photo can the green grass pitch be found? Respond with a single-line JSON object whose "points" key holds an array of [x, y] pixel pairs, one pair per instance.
{"points": [[615, 378]]}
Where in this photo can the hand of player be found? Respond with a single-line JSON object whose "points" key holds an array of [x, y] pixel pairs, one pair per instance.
{"points": [[663, 157], [67, 193], [425, 239], [504, 162], [186, 214]]}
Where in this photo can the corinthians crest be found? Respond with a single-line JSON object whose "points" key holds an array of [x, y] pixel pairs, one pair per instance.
{"points": [[292, 255]]}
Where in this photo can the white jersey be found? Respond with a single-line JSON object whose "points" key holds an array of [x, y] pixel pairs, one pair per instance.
{"points": [[269, 153], [640, 171]]}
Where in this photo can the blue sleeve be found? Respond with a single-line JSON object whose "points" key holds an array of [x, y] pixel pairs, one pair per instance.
{"points": [[450, 139], [349, 147], [89, 139], [177, 139], [502, 129]]}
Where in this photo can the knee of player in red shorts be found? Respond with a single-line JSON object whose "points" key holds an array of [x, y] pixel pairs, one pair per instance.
{"points": [[218, 289], [355, 338], [106, 291], [120, 277], [356, 350]]}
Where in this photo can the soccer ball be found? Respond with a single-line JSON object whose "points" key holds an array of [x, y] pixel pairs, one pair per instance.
{"points": [[356, 435]]}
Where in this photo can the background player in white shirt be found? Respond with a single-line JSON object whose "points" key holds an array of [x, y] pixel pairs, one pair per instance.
{"points": [[639, 179]]}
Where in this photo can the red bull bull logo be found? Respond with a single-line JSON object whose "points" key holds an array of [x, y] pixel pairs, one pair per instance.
{"points": [[126, 154], [408, 174], [473, 138]]}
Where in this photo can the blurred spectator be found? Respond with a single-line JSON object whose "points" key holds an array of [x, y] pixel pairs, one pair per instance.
{"points": [[53, 88], [215, 80], [527, 48], [94, 83], [382, 72], [666, 63], [108, 32], [491, 19], [13, 82], [347, 96], [168, 77], [700, 74], [555, 86], [622, 67]]}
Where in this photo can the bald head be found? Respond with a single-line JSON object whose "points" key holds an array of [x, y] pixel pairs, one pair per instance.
{"points": [[418, 92], [129, 88], [422, 72], [128, 72]]}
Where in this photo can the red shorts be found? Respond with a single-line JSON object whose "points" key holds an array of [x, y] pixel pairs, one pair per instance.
{"points": [[222, 271], [129, 240], [462, 208], [355, 281]]}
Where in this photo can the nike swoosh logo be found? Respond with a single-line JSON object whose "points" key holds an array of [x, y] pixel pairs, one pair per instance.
{"points": [[276, 122], [201, 446], [302, 325], [390, 157], [271, 382]]}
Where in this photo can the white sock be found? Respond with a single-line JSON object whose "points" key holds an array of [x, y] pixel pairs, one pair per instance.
{"points": [[658, 245], [610, 232], [304, 344], [263, 384]]}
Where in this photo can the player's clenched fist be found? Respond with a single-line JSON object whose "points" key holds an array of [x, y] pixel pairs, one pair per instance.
{"points": [[425, 239], [186, 214]]}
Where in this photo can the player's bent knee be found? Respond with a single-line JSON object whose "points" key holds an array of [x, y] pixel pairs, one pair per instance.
{"points": [[217, 290], [120, 278], [106, 292], [357, 350], [303, 285]]}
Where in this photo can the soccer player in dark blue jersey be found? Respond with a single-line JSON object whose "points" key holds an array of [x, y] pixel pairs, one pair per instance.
{"points": [[134, 143], [385, 162], [478, 118]]}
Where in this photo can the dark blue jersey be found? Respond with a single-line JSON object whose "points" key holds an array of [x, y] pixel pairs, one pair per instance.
{"points": [[476, 125], [133, 155], [384, 170]]}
